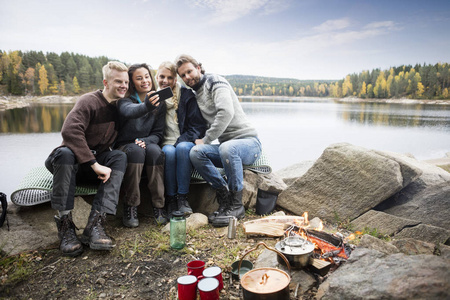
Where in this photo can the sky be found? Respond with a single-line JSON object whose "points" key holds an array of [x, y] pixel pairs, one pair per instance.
{"points": [[302, 39]]}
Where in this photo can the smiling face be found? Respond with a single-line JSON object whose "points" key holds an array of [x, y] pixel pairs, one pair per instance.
{"points": [[191, 75], [166, 78], [142, 81], [116, 85]]}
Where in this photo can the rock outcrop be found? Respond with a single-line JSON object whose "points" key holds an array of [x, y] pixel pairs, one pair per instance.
{"points": [[347, 181]]}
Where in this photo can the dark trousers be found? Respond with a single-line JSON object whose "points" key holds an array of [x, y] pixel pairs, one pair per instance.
{"points": [[67, 172], [152, 159]]}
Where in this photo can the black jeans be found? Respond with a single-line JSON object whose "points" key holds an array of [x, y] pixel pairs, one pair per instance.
{"points": [[67, 172]]}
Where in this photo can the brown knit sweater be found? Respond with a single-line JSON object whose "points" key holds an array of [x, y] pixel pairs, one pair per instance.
{"points": [[90, 125]]}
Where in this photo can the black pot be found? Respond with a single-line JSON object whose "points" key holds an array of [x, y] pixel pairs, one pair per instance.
{"points": [[297, 251]]}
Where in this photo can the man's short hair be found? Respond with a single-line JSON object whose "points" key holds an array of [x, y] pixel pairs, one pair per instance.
{"points": [[113, 65], [184, 58]]}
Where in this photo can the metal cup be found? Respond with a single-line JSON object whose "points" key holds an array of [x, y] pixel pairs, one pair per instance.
{"points": [[232, 222]]}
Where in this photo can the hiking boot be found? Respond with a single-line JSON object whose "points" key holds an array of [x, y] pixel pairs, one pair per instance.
{"points": [[183, 204], [130, 218], [171, 205], [234, 209], [69, 243], [160, 216], [94, 234], [222, 196]]}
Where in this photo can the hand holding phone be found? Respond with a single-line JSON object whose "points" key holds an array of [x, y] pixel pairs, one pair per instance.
{"points": [[165, 93]]}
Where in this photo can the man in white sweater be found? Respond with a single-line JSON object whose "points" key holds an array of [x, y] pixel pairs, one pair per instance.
{"points": [[238, 140]]}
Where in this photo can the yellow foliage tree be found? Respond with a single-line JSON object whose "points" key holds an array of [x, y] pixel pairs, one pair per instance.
{"points": [[43, 80], [347, 87], [445, 93], [363, 92], [76, 85], [62, 88], [420, 90]]}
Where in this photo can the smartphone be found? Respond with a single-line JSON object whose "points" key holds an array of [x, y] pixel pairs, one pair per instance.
{"points": [[165, 93]]}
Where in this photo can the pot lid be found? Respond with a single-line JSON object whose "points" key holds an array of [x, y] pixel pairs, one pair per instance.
{"points": [[265, 280], [294, 246]]}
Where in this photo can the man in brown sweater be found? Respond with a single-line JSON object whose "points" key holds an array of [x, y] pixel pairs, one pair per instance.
{"points": [[85, 155]]}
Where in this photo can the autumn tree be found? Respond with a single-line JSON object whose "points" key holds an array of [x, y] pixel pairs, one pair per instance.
{"points": [[76, 86], [43, 80]]}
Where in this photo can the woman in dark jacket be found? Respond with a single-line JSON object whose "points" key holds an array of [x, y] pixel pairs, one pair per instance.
{"points": [[141, 128], [184, 124]]}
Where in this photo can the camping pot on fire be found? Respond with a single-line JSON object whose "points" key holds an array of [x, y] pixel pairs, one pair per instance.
{"points": [[297, 251], [265, 283]]}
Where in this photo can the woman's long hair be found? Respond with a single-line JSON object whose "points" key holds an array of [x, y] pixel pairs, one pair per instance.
{"points": [[131, 70]]}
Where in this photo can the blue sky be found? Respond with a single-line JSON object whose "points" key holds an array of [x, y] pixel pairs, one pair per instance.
{"points": [[303, 39]]}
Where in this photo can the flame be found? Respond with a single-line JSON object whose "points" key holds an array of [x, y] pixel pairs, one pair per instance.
{"points": [[305, 217], [320, 226]]}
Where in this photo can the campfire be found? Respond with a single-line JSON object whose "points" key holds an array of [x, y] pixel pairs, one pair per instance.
{"points": [[327, 246], [304, 244]]}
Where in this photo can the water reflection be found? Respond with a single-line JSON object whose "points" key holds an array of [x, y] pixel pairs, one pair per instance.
{"points": [[34, 119], [365, 114], [397, 115]]}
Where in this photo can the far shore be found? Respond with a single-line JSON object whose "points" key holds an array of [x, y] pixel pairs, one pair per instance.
{"points": [[10, 102]]}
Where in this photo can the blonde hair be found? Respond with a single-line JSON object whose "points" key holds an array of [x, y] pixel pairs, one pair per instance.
{"points": [[113, 65], [173, 70]]}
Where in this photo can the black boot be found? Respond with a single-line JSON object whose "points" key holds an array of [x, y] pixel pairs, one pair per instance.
{"points": [[234, 209], [94, 234], [222, 196], [160, 216], [130, 216], [171, 205], [69, 245], [183, 204]]}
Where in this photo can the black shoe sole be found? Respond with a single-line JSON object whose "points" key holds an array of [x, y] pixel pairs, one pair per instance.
{"points": [[86, 241], [74, 253]]}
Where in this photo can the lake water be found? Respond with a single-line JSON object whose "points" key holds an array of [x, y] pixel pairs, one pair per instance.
{"points": [[291, 132]]}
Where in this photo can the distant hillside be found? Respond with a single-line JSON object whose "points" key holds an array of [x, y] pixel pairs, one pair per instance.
{"points": [[250, 79], [271, 86]]}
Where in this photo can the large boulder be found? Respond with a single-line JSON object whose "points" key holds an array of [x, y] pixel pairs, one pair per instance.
{"points": [[429, 206], [427, 233], [293, 172], [347, 181], [369, 274], [382, 222], [424, 199]]}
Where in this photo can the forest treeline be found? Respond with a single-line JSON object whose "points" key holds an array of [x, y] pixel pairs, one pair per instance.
{"points": [[36, 73]]}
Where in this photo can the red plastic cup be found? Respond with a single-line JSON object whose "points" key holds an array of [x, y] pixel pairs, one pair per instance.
{"points": [[187, 287], [209, 289], [214, 272], [196, 267]]}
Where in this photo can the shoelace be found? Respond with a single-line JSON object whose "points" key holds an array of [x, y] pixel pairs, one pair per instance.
{"points": [[98, 224], [66, 227], [131, 212]]}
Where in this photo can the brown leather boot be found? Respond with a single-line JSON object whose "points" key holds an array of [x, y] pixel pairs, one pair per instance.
{"points": [[69, 243], [94, 234]]}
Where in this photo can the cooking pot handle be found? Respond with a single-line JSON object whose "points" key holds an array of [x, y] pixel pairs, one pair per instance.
{"points": [[268, 248]]}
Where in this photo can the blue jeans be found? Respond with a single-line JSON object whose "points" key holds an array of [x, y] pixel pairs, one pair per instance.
{"points": [[178, 168], [231, 156]]}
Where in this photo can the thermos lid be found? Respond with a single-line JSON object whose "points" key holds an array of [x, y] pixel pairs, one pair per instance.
{"points": [[177, 214]]}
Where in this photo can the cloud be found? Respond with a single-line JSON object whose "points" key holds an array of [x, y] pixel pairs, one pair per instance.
{"points": [[332, 25], [224, 11]]}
